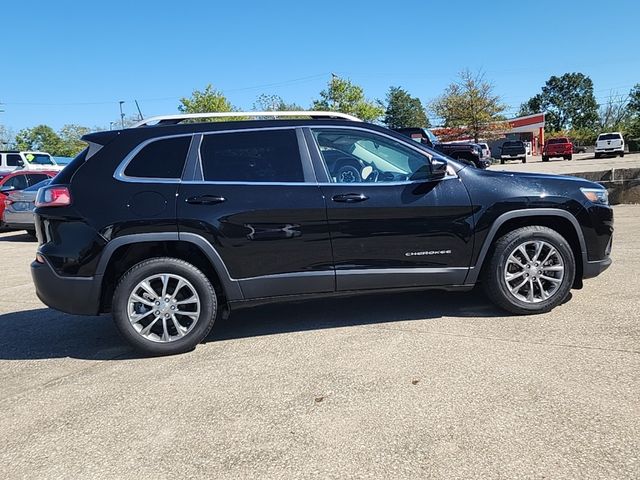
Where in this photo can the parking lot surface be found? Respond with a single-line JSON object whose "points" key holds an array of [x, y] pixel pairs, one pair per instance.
{"points": [[413, 385], [582, 162]]}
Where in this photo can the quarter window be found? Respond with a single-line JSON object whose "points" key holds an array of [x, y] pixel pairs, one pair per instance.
{"points": [[19, 182], [357, 156], [160, 159], [256, 156]]}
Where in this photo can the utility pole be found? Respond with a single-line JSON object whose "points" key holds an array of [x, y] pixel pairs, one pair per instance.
{"points": [[111, 125], [140, 117], [333, 98], [121, 114]]}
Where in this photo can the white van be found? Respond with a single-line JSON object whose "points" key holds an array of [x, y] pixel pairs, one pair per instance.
{"points": [[609, 144]]}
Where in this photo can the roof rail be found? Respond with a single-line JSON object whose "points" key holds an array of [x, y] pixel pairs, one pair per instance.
{"points": [[174, 119]]}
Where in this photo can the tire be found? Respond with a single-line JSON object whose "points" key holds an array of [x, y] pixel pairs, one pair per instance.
{"points": [[501, 161], [524, 160], [621, 154], [596, 155], [545, 158], [32, 233], [196, 326], [494, 280]]}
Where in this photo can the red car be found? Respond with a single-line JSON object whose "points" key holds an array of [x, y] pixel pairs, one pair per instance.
{"points": [[19, 180], [557, 147]]}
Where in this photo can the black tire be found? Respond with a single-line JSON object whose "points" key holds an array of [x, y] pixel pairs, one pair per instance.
{"points": [[146, 268], [32, 233], [568, 157], [621, 154], [495, 286], [545, 159], [597, 155], [502, 161], [524, 160]]}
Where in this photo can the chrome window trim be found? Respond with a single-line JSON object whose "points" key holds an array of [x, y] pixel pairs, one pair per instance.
{"points": [[120, 175], [119, 172]]}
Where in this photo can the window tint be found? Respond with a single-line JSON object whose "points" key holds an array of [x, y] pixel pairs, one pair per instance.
{"points": [[36, 177], [13, 160], [160, 159], [19, 182], [38, 186], [38, 159], [359, 156], [260, 156], [610, 136]]}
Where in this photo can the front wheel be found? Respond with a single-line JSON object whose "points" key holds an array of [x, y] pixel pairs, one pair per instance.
{"points": [[164, 306], [530, 271], [621, 154], [524, 160]]}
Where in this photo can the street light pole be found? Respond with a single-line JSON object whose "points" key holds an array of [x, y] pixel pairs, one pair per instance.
{"points": [[121, 114]]}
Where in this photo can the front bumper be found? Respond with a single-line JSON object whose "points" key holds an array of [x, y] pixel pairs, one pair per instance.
{"points": [[75, 295]]}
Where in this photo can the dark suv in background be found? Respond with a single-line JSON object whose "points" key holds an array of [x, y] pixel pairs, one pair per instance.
{"points": [[191, 219]]}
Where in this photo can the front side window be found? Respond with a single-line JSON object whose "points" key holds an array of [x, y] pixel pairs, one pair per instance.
{"points": [[13, 160], [256, 156], [162, 158], [19, 182], [358, 156]]}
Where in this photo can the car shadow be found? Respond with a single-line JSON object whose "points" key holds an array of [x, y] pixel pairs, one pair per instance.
{"points": [[16, 236], [45, 333]]}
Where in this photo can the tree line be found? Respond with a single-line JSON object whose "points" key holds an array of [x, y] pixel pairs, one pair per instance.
{"points": [[468, 108]]}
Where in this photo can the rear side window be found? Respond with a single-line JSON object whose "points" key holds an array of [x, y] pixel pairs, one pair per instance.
{"points": [[36, 178], [160, 159], [259, 156], [38, 159]]}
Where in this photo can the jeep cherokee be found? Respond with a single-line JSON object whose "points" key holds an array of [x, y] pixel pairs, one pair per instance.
{"points": [[193, 219]]}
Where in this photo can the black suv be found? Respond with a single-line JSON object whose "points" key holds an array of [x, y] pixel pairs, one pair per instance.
{"points": [[170, 225]]}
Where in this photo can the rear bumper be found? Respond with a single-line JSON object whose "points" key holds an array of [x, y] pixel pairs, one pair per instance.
{"points": [[75, 295], [593, 269]]}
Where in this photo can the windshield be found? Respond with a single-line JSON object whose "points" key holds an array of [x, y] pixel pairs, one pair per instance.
{"points": [[39, 159]]}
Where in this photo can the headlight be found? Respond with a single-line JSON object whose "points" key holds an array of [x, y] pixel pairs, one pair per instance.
{"points": [[596, 195]]}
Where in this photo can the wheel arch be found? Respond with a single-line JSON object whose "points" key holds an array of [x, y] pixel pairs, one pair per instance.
{"points": [[123, 252], [561, 221]]}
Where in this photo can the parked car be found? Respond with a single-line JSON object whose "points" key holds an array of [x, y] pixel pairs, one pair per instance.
{"points": [[16, 181], [486, 151], [194, 219], [557, 147], [609, 144], [579, 148], [470, 153], [19, 206], [513, 150], [16, 160]]}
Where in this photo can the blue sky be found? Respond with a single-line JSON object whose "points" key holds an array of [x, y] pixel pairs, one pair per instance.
{"points": [[71, 62]]}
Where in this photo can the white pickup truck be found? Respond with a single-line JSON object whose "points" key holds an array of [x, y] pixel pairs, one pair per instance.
{"points": [[19, 160], [609, 144]]}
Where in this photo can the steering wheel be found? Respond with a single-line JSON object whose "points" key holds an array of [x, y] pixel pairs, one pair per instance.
{"points": [[348, 174]]}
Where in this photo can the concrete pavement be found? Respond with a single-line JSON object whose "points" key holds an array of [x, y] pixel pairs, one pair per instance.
{"points": [[418, 385]]}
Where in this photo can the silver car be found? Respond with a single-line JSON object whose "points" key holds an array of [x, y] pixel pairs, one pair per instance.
{"points": [[19, 206]]}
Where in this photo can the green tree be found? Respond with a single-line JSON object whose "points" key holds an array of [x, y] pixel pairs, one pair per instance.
{"points": [[41, 137], [271, 103], [343, 96], [470, 102], [70, 137], [403, 110], [634, 101], [568, 101], [207, 100]]}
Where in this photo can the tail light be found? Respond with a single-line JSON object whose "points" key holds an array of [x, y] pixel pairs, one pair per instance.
{"points": [[53, 196]]}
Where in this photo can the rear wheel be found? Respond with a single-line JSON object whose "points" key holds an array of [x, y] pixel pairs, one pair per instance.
{"points": [[524, 160], [621, 154], [502, 161], [545, 158], [597, 155], [164, 306], [530, 271], [568, 157]]}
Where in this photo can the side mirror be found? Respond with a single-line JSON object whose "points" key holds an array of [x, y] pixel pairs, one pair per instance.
{"points": [[7, 188], [438, 169]]}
